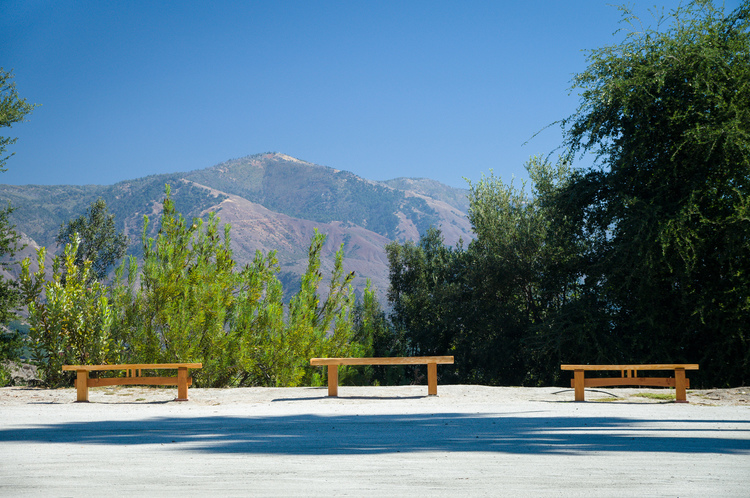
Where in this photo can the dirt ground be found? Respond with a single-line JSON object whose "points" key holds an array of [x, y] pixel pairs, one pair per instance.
{"points": [[374, 441], [738, 396], [25, 374]]}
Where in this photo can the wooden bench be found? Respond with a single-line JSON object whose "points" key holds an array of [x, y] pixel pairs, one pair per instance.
{"points": [[182, 381], [629, 377], [430, 361]]}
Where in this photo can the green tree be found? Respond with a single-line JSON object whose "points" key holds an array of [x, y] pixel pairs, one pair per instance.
{"points": [[316, 329], [378, 338], [70, 318], [192, 305], [180, 310], [100, 242], [665, 209], [426, 296], [513, 275], [493, 305], [11, 345], [9, 244], [257, 324], [13, 109], [277, 352]]}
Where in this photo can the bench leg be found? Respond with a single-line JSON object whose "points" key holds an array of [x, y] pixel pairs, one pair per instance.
{"points": [[82, 385], [333, 380], [182, 385], [432, 379], [578, 383], [679, 386]]}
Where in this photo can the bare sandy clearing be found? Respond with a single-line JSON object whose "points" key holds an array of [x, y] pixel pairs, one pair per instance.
{"points": [[447, 395], [373, 441]]}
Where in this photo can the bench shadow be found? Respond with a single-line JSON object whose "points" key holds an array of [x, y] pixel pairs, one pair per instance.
{"points": [[380, 434]]}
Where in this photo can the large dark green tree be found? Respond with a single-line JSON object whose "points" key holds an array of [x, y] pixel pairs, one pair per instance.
{"points": [[13, 109], [644, 257], [424, 294], [100, 242], [666, 209], [489, 305]]}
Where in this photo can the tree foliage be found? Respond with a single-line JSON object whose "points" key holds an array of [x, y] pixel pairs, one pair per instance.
{"points": [[422, 293], [13, 109], [9, 244], [99, 242], [642, 258], [70, 317], [485, 304], [666, 208], [189, 303], [378, 338], [186, 289]]}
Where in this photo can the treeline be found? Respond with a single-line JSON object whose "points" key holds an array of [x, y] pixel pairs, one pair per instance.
{"points": [[642, 258], [188, 302]]}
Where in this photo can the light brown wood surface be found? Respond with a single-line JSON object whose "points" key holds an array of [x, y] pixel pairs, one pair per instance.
{"points": [[133, 366], [655, 366], [137, 381], [182, 381], [430, 361], [629, 377], [407, 360]]}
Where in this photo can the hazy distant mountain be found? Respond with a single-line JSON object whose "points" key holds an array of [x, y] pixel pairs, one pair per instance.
{"points": [[272, 201]]}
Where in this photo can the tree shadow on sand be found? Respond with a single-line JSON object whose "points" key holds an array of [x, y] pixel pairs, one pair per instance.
{"points": [[519, 433]]}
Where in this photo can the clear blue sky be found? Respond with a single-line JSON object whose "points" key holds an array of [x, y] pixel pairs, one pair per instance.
{"points": [[438, 89]]}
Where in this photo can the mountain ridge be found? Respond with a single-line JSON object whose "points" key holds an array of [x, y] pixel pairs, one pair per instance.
{"points": [[272, 202]]}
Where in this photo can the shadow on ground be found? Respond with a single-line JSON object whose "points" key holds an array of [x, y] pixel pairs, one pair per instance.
{"points": [[375, 434]]}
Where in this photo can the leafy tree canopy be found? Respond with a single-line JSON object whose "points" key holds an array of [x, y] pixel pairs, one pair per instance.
{"points": [[641, 258], [13, 109], [100, 242], [667, 112]]}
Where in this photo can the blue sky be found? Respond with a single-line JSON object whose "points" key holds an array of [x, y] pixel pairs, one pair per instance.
{"points": [[437, 89]]}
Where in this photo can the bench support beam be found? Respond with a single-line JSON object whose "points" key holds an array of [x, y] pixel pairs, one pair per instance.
{"points": [[579, 384], [432, 379], [182, 384], [680, 385], [629, 377], [83, 381], [333, 380], [430, 361], [82, 386]]}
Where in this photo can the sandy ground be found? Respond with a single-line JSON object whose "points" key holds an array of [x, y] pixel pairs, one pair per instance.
{"points": [[374, 441]]}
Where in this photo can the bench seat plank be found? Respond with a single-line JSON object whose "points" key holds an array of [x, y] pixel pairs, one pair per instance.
{"points": [[657, 366], [133, 366], [408, 360]]}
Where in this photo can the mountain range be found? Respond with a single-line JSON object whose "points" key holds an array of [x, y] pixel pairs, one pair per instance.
{"points": [[273, 202]]}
